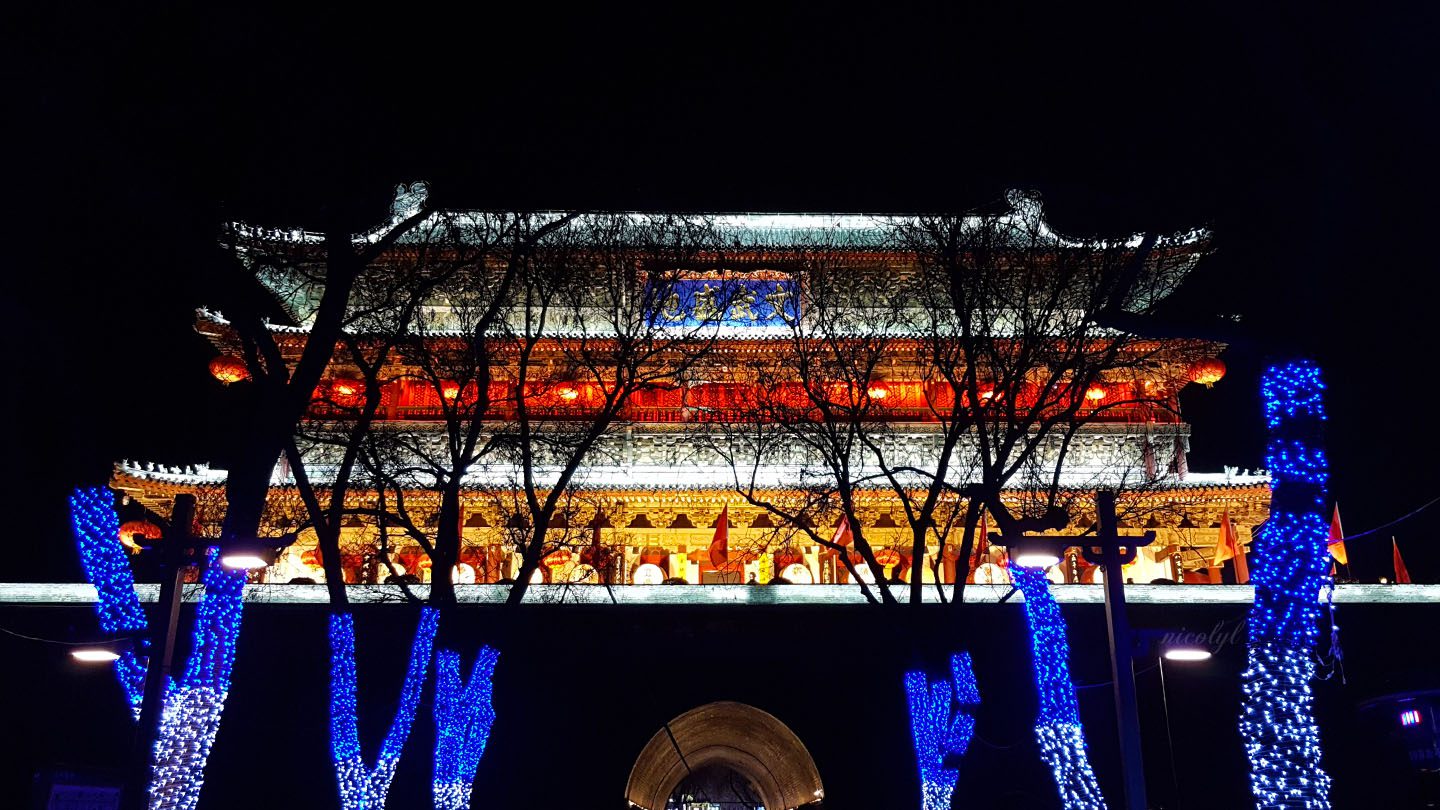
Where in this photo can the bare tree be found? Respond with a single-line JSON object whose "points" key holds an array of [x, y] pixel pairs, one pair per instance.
{"points": [[436, 258], [289, 263], [1012, 316], [956, 372], [535, 388]]}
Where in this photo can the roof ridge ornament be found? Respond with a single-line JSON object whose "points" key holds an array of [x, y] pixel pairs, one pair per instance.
{"points": [[1027, 204], [409, 200]]}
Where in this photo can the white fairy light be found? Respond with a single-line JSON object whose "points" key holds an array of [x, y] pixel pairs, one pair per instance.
{"points": [[1277, 719], [1057, 728]]}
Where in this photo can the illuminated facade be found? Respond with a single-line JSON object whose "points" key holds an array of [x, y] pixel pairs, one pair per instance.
{"points": [[649, 498]]}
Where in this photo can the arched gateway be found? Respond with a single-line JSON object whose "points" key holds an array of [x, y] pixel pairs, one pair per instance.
{"points": [[733, 736]]}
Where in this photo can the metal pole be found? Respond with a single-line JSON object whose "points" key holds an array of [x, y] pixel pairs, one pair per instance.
{"points": [[1122, 667], [1169, 738], [162, 652]]}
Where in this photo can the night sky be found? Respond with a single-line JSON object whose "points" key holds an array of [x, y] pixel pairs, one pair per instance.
{"points": [[1305, 139]]}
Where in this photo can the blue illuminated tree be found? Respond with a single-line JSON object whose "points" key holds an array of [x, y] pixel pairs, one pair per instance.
{"points": [[464, 713], [938, 732], [1057, 727], [364, 786], [191, 705], [1288, 569]]}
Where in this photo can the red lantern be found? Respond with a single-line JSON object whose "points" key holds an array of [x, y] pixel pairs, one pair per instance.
{"points": [[144, 528], [449, 390], [887, 557], [567, 392], [556, 558], [878, 389], [347, 393], [228, 369], [1207, 372], [1096, 392], [311, 557]]}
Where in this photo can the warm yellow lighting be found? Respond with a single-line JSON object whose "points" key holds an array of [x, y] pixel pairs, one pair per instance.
{"points": [[568, 393], [877, 391], [94, 655]]}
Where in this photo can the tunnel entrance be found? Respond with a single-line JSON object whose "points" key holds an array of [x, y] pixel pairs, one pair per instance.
{"points": [[728, 755]]}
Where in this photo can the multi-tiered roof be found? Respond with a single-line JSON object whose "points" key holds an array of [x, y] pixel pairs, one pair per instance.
{"points": [[671, 488]]}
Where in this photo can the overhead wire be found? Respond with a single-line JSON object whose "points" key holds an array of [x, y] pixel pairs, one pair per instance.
{"points": [[7, 631]]}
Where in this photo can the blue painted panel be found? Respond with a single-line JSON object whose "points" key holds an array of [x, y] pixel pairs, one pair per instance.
{"points": [[729, 302]]}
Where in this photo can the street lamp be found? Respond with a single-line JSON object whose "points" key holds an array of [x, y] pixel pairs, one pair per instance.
{"points": [[1034, 552], [100, 651], [94, 655], [253, 554], [1184, 653]]}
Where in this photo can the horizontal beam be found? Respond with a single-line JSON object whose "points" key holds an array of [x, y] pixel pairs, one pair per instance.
{"points": [[82, 594]]}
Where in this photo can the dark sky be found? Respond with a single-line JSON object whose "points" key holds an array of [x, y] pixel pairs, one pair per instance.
{"points": [[1304, 138]]}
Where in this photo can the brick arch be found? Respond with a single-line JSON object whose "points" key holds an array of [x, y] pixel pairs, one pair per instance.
{"points": [[741, 737]]}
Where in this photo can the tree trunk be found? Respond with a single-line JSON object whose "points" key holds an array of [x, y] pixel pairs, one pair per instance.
{"points": [[447, 547], [327, 534], [967, 545], [530, 562], [917, 561]]}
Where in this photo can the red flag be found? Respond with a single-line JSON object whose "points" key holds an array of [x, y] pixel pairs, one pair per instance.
{"points": [[979, 550], [1229, 548], [1242, 566], [1225, 546], [843, 536], [1402, 575], [984, 544], [1336, 543], [720, 545]]}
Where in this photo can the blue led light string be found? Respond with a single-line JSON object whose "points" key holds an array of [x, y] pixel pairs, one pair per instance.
{"points": [[936, 732], [464, 713], [194, 704], [107, 567], [362, 786], [191, 707], [1057, 728], [1288, 569]]}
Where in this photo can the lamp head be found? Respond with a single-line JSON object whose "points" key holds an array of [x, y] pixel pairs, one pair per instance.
{"points": [[101, 651], [1035, 552], [1186, 652], [253, 553]]}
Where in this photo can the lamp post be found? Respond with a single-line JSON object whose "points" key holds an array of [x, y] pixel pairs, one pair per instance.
{"points": [[1175, 653], [1111, 551], [172, 553]]}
